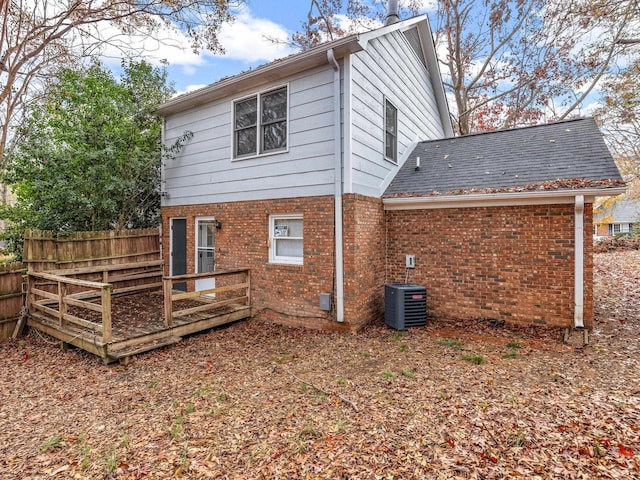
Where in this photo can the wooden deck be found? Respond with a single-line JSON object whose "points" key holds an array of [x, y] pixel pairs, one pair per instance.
{"points": [[117, 323]]}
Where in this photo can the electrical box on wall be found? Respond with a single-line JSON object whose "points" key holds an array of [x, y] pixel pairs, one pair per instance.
{"points": [[325, 302], [411, 261]]}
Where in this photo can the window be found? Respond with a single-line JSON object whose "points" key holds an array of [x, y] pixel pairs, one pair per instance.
{"points": [[285, 239], [265, 113], [621, 228], [390, 132]]}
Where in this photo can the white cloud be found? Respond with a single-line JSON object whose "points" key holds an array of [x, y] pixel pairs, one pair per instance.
{"points": [[251, 39], [247, 39]]}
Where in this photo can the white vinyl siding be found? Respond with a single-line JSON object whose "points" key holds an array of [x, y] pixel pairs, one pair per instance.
{"points": [[205, 172], [388, 68]]}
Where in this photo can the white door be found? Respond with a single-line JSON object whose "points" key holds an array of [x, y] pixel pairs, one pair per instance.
{"points": [[205, 252]]}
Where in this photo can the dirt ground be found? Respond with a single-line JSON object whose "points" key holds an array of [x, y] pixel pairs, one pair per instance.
{"points": [[254, 400]]}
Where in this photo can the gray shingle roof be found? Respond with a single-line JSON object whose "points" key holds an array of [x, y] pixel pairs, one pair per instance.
{"points": [[506, 159]]}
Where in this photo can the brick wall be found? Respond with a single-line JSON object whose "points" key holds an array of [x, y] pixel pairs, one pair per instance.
{"points": [[287, 294], [510, 263], [364, 254]]}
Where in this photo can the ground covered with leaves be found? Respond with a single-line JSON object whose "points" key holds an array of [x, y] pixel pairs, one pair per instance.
{"points": [[253, 400]]}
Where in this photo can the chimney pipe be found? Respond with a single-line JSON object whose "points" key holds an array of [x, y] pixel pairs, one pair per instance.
{"points": [[392, 12]]}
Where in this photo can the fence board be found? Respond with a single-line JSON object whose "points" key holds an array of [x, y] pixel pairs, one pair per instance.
{"points": [[11, 297], [45, 251]]}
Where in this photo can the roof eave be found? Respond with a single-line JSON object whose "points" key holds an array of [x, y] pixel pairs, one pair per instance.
{"points": [[277, 70], [533, 197]]}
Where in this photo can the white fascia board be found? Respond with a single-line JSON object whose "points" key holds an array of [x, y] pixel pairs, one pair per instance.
{"points": [[366, 37], [271, 72], [534, 197]]}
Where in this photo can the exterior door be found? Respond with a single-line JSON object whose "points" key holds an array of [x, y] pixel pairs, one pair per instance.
{"points": [[178, 264], [205, 251]]}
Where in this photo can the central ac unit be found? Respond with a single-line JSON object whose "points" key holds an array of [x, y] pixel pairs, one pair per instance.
{"points": [[405, 305]]}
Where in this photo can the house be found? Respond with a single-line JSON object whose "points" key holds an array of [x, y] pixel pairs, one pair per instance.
{"points": [[324, 170], [617, 218]]}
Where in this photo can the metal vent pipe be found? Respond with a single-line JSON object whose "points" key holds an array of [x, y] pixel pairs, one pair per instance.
{"points": [[393, 14]]}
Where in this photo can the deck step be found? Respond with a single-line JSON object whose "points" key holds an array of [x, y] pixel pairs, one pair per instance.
{"points": [[145, 347]]}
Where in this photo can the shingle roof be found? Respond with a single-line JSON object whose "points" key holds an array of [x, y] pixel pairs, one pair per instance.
{"points": [[506, 159], [622, 211]]}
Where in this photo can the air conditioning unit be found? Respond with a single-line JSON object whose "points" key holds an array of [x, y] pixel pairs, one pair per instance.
{"points": [[405, 305]]}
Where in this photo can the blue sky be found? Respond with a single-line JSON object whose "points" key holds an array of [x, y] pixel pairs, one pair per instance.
{"points": [[246, 42]]}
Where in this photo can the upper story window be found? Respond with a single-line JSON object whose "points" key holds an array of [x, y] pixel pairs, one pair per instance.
{"points": [[390, 132], [260, 123]]}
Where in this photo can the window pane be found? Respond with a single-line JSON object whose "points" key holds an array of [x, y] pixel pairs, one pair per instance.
{"points": [[274, 136], [390, 146], [206, 230], [246, 141], [288, 247], [246, 113], [294, 226], [274, 106], [390, 118], [205, 261]]}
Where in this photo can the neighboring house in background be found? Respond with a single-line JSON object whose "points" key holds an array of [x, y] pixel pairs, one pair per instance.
{"points": [[322, 171], [620, 217]]}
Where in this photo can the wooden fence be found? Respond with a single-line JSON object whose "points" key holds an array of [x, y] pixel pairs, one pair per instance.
{"points": [[45, 251], [11, 297]]}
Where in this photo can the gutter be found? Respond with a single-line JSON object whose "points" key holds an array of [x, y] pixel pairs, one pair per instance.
{"points": [[337, 187], [532, 197]]}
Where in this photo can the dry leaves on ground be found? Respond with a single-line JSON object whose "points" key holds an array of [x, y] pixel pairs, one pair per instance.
{"points": [[254, 400]]}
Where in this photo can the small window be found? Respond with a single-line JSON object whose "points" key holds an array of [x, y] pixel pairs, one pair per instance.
{"points": [[265, 113], [285, 239], [390, 132]]}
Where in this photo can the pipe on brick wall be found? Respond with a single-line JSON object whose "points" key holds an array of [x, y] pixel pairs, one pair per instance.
{"points": [[578, 312], [337, 187]]}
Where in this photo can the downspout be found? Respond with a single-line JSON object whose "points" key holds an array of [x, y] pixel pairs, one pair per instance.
{"points": [[337, 187], [578, 314]]}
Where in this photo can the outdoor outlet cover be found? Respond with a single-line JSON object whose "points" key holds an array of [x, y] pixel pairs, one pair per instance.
{"points": [[411, 261]]}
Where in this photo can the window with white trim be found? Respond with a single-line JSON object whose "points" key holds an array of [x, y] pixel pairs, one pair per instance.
{"points": [[390, 131], [620, 228], [285, 239], [260, 123]]}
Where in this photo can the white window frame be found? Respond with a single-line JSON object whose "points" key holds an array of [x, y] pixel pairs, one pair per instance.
{"points": [[393, 159], [273, 258], [258, 126]]}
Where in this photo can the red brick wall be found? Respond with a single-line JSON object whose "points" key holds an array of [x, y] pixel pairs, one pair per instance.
{"points": [[364, 254], [287, 294], [510, 263]]}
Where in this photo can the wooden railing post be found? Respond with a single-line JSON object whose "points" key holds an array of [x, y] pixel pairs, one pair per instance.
{"points": [[106, 313], [62, 304], [168, 302], [248, 273]]}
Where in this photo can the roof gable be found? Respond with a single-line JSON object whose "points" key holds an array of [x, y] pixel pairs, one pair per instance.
{"points": [[622, 211], [543, 157]]}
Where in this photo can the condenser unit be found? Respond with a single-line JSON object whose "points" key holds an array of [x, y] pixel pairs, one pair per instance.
{"points": [[405, 305]]}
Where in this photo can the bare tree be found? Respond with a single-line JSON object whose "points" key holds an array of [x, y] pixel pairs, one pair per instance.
{"points": [[37, 36], [520, 62], [507, 63]]}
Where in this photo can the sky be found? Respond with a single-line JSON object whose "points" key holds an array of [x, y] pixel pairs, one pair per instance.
{"points": [[246, 42]]}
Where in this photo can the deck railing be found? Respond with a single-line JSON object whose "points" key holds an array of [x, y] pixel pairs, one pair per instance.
{"points": [[52, 293], [50, 297], [235, 290]]}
